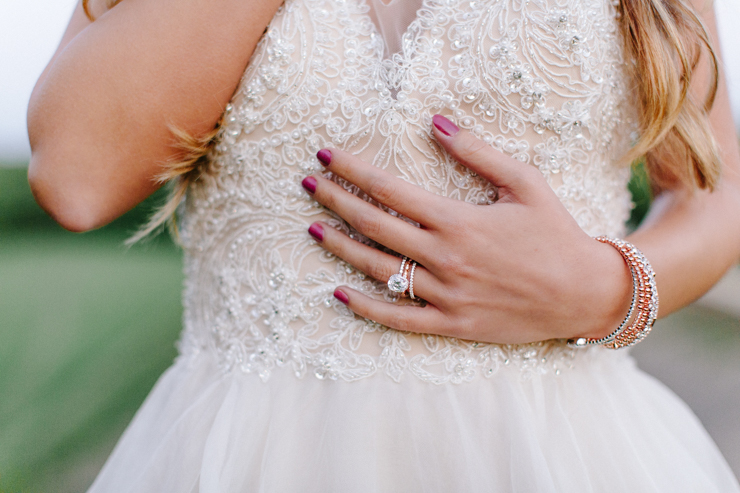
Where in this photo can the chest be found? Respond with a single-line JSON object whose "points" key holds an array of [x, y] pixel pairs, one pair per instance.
{"points": [[540, 80]]}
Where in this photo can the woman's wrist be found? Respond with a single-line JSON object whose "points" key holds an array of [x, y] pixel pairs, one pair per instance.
{"points": [[606, 292]]}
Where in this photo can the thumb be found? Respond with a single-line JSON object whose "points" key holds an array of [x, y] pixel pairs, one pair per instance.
{"points": [[499, 169]]}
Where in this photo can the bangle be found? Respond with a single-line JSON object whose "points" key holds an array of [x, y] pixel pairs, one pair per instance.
{"points": [[643, 309]]}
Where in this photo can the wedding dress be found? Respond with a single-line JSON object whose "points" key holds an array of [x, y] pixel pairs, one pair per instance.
{"points": [[280, 388]]}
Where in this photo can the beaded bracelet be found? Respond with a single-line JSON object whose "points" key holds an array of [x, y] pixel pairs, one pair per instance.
{"points": [[644, 301]]}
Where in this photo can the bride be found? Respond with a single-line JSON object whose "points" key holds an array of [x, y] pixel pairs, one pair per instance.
{"points": [[407, 267]]}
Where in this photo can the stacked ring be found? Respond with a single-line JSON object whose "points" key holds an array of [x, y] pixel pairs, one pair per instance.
{"points": [[411, 280]]}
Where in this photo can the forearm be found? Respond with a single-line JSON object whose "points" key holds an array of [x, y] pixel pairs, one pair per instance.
{"points": [[691, 241]]}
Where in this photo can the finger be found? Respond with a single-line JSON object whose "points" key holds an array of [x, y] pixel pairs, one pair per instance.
{"points": [[410, 200], [368, 220], [407, 318], [376, 264], [499, 169]]}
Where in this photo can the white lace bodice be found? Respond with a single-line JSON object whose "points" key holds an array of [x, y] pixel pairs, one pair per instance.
{"points": [[541, 80]]}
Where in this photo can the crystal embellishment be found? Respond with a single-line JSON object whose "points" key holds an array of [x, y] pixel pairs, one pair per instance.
{"points": [[258, 294]]}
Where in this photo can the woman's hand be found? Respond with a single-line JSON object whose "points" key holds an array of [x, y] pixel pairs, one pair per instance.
{"points": [[520, 270]]}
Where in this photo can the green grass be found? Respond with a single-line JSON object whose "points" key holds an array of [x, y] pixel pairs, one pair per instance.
{"points": [[86, 328]]}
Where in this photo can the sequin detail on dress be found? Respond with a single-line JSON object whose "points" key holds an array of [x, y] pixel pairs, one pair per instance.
{"points": [[540, 80]]}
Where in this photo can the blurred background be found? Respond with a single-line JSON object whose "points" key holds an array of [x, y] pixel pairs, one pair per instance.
{"points": [[87, 326]]}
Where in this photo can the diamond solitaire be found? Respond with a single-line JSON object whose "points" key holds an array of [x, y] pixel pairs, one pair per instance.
{"points": [[398, 283]]}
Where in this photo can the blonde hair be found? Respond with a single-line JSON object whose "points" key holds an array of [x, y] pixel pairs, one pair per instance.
{"points": [[178, 174], [664, 39]]}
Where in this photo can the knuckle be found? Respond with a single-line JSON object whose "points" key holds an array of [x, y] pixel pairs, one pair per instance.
{"points": [[383, 190], [336, 245], [401, 322], [326, 197], [460, 328], [368, 225], [451, 264], [454, 330], [465, 329], [455, 302], [472, 149], [381, 271]]}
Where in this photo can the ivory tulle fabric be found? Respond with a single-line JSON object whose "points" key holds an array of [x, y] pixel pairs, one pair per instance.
{"points": [[605, 428], [280, 388]]}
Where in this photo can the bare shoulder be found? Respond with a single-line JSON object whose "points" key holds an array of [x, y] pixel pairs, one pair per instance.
{"points": [[100, 114]]}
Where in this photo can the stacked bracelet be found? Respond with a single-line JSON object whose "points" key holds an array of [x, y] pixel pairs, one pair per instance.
{"points": [[643, 309]]}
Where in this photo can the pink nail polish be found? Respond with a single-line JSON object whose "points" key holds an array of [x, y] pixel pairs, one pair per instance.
{"points": [[324, 156], [341, 296], [445, 126], [316, 231], [309, 183]]}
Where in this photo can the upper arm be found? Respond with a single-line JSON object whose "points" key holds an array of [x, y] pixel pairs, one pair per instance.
{"points": [[100, 114], [721, 118]]}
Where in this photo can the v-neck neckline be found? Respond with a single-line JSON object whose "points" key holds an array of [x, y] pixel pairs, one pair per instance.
{"points": [[388, 48]]}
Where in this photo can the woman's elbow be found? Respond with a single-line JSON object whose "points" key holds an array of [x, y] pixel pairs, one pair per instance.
{"points": [[74, 208]]}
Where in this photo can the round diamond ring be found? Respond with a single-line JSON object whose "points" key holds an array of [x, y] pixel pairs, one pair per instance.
{"points": [[398, 283]]}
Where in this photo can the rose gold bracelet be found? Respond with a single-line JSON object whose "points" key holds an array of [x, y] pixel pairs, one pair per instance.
{"points": [[644, 306]]}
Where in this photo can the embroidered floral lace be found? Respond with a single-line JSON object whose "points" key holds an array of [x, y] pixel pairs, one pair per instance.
{"points": [[541, 80]]}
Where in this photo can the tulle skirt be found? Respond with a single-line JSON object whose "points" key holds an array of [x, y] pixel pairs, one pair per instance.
{"points": [[602, 426]]}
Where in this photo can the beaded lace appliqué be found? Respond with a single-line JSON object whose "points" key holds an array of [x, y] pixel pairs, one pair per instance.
{"points": [[540, 80]]}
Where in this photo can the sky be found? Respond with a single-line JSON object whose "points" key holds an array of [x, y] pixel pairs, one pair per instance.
{"points": [[31, 29]]}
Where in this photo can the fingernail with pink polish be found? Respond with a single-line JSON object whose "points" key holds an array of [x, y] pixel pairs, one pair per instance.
{"points": [[324, 156], [309, 183], [445, 126], [317, 232], [341, 296]]}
